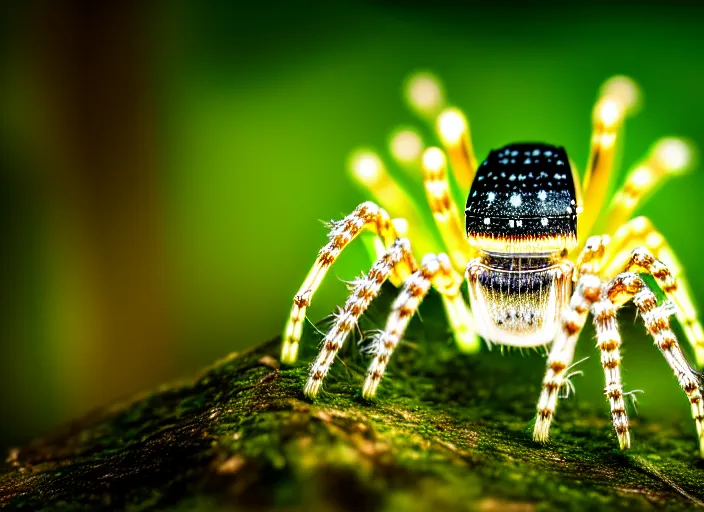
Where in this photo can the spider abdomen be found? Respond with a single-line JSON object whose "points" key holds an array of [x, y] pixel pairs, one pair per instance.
{"points": [[516, 300]]}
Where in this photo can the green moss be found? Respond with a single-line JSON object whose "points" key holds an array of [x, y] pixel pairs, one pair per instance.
{"points": [[449, 430]]}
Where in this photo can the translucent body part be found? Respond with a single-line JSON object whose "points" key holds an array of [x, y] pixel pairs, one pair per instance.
{"points": [[517, 300]]}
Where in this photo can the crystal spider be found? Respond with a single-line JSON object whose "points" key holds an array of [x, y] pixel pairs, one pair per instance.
{"points": [[533, 277]]}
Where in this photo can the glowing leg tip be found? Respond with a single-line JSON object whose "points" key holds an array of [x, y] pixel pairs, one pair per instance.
{"points": [[424, 94], [289, 352], [468, 343], [699, 356]]}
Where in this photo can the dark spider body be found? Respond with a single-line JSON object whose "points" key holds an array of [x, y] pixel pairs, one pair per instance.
{"points": [[524, 192], [521, 214]]}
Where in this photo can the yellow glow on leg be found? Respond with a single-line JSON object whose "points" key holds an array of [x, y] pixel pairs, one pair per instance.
{"points": [[453, 130], [368, 170], [667, 157], [462, 323], [406, 147], [289, 350], [640, 232], [625, 90], [619, 97], [444, 209], [424, 94], [674, 155]]}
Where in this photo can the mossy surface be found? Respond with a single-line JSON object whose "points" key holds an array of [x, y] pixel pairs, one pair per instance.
{"points": [[449, 431]]}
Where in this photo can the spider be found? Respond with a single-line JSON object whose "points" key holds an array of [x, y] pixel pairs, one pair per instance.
{"points": [[533, 277]]}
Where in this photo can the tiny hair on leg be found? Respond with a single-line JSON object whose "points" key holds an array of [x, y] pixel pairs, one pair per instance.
{"points": [[365, 290], [609, 342], [675, 289], [573, 319], [629, 286], [366, 216], [435, 270]]}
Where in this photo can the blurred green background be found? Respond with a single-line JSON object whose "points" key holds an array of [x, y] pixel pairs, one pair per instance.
{"points": [[166, 165]]}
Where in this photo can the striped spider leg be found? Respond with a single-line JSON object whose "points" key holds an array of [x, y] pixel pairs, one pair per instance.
{"points": [[629, 286], [603, 299], [367, 215], [639, 232], [370, 172], [436, 271], [561, 353], [365, 290]]}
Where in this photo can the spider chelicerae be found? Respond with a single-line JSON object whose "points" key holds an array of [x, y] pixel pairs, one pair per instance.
{"points": [[533, 277]]}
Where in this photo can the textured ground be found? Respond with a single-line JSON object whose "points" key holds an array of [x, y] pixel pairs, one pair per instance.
{"points": [[451, 433]]}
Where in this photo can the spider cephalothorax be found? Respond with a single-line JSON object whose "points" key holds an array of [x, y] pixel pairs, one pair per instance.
{"points": [[533, 278]]}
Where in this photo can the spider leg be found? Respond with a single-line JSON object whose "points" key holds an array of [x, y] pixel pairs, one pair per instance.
{"points": [[453, 130], [363, 293], [657, 258], [426, 97], [369, 171], [629, 286], [667, 157], [562, 353], [366, 215], [444, 209], [435, 270], [562, 349], [609, 112], [608, 343]]}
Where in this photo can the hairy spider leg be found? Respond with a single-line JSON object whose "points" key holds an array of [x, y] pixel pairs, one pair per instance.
{"points": [[437, 271], [608, 341], [630, 286], [369, 171], [365, 290], [453, 131], [562, 350], [655, 257], [658, 326], [366, 216], [444, 209], [666, 158], [607, 118]]}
